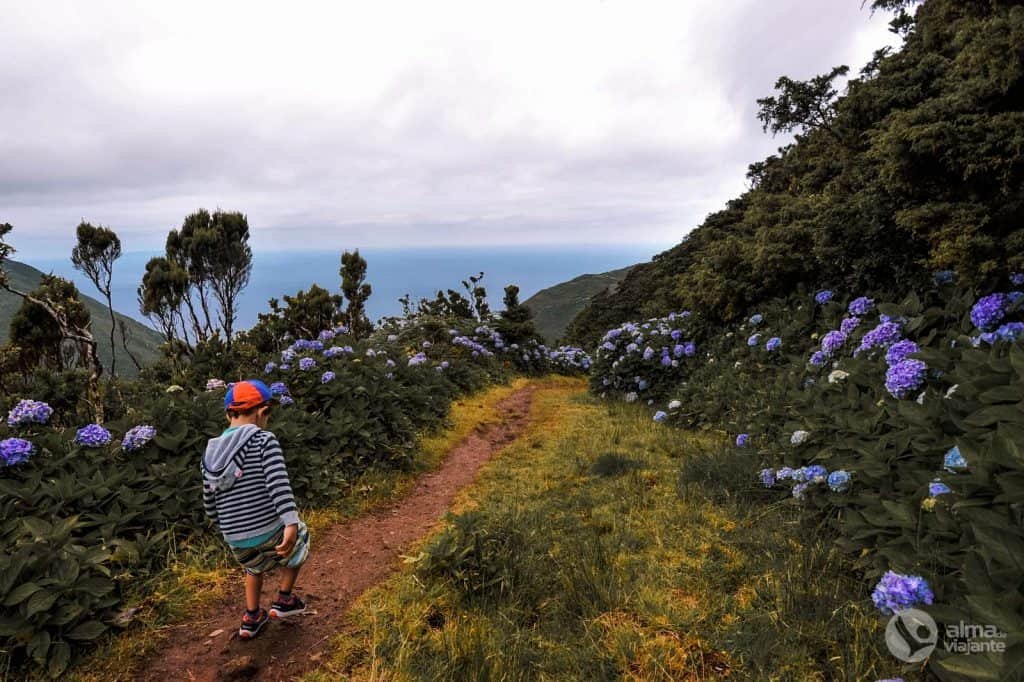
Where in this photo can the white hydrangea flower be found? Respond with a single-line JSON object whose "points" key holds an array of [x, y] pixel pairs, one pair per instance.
{"points": [[837, 375], [799, 437]]}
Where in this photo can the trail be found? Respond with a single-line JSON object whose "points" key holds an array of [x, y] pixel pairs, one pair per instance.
{"points": [[344, 561]]}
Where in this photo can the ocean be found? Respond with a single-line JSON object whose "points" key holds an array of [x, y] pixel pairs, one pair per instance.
{"points": [[420, 272]]}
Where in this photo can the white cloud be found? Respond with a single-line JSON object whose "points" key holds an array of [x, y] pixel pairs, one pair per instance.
{"points": [[398, 122]]}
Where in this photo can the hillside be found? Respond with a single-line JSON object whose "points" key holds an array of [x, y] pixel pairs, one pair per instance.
{"points": [[555, 307], [915, 168], [142, 340]]}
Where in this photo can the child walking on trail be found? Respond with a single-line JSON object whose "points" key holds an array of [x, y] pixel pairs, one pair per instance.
{"points": [[247, 494]]}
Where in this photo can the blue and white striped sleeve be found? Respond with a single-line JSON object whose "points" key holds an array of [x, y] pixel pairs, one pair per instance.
{"points": [[275, 475]]}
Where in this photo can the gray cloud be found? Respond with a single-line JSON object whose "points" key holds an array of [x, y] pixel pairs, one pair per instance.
{"points": [[596, 122]]}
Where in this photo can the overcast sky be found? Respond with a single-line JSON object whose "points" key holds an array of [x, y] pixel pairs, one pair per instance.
{"points": [[337, 124]]}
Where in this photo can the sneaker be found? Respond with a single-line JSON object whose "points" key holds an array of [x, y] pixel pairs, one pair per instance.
{"points": [[252, 626], [293, 606]]}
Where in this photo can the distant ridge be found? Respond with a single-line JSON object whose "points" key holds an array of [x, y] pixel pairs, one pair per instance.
{"points": [[555, 307], [143, 341]]}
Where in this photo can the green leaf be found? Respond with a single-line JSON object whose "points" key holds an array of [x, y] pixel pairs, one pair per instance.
{"points": [[38, 646], [38, 527], [88, 630], [40, 601], [21, 593], [60, 656], [971, 666]]}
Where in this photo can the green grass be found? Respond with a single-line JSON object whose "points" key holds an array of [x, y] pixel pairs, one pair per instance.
{"points": [[602, 546]]}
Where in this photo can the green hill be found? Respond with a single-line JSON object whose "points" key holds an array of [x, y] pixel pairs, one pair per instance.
{"points": [[143, 341], [555, 307], [915, 168]]}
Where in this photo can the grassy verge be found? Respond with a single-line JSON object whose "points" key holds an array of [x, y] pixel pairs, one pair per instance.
{"points": [[602, 546], [203, 569]]}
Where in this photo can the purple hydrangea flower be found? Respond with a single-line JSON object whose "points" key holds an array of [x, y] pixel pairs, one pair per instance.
{"points": [[899, 351], [278, 389], [92, 436], [754, 340], [676, 334], [861, 306], [689, 349], [1017, 279], [137, 437], [327, 335], [823, 297], [953, 460], [905, 377], [833, 342], [306, 364], [937, 487], [15, 451], [269, 367], [666, 359], [286, 400], [773, 344], [989, 311], [882, 336], [660, 416], [896, 592], [839, 481], [800, 490], [768, 477], [29, 412], [418, 359], [818, 358], [648, 353], [742, 440], [785, 474], [813, 472], [756, 319], [327, 377], [1011, 331], [849, 324]]}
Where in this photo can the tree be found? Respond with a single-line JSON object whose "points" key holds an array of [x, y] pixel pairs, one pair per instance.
{"points": [[94, 256], [161, 296], [356, 292], [303, 315], [806, 105], [516, 321], [38, 334], [478, 294], [61, 312]]}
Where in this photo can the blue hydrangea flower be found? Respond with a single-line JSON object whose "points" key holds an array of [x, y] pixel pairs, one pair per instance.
{"points": [[905, 377], [861, 306], [278, 389], [989, 311], [785, 474], [608, 345], [833, 342], [1017, 279], [823, 297], [813, 472], [742, 440], [666, 359], [269, 367], [839, 481], [418, 359], [937, 487], [800, 490], [899, 351], [286, 400], [689, 349], [327, 377], [92, 436], [768, 477], [773, 344], [818, 358], [287, 355], [849, 324], [954, 461], [15, 451], [29, 412], [944, 277], [1011, 331], [896, 592], [676, 334], [756, 319], [137, 437], [754, 340], [306, 364], [660, 416], [641, 384], [882, 336]]}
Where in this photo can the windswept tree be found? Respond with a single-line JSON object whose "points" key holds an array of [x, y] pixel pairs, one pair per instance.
{"points": [[356, 291], [515, 322], [802, 105], [213, 249], [36, 333], [161, 297], [478, 296], [94, 256], [56, 304]]}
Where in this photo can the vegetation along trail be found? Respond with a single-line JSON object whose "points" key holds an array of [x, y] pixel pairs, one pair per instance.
{"points": [[346, 560]]}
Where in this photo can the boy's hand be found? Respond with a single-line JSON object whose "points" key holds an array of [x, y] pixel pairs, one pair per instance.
{"points": [[291, 534]]}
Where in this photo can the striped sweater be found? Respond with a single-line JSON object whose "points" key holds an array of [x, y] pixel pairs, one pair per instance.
{"points": [[246, 491]]}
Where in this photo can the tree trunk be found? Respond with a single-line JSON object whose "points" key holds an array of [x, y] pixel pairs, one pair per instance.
{"points": [[113, 327]]}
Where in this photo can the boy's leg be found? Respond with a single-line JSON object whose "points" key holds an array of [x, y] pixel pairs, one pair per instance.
{"points": [[288, 578], [253, 587]]}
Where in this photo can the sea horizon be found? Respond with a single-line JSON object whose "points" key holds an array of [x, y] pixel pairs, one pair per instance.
{"points": [[419, 271]]}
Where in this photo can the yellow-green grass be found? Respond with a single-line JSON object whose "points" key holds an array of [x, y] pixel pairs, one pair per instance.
{"points": [[600, 545], [202, 569]]}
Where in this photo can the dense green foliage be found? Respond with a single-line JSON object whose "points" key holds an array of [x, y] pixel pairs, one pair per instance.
{"points": [[916, 168]]}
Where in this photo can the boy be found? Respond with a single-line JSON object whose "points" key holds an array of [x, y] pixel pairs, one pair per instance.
{"points": [[247, 494]]}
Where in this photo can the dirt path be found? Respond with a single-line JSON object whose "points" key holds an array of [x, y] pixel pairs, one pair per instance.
{"points": [[344, 562]]}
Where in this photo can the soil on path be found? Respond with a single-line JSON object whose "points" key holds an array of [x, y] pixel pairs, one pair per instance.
{"points": [[344, 561]]}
